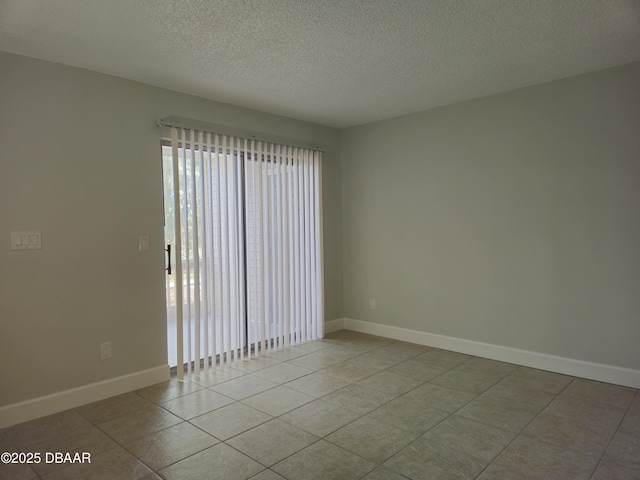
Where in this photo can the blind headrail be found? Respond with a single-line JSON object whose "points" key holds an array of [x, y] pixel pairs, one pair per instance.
{"points": [[177, 124]]}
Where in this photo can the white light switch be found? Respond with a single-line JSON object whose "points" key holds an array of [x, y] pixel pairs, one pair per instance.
{"points": [[26, 240], [143, 243]]}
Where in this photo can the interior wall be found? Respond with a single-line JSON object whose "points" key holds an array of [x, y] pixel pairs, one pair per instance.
{"points": [[80, 161], [511, 220]]}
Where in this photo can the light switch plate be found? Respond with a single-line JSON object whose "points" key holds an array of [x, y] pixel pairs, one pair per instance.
{"points": [[31, 240], [143, 243]]}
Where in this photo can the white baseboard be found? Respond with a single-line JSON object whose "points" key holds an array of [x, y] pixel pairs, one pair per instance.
{"points": [[567, 366], [334, 325], [75, 397]]}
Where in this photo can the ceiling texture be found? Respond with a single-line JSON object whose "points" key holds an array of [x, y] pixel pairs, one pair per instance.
{"points": [[338, 63]]}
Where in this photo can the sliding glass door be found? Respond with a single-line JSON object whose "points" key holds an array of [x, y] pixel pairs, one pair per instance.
{"points": [[244, 220]]}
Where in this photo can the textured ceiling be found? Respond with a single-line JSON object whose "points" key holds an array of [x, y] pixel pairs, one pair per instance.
{"points": [[333, 62]]}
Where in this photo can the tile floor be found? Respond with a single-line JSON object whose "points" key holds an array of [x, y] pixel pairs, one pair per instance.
{"points": [[351, 406]]}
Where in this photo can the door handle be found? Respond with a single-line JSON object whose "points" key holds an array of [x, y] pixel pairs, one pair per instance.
{"points": [[168, 250]]}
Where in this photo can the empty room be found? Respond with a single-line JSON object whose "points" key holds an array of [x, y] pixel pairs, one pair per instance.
{"points": [[289, 239]]}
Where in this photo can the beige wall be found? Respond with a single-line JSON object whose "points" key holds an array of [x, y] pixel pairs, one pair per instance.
{"points": [[80, 161], [512, 220]]}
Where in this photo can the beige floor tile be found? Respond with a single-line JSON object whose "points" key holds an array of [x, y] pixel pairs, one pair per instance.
{"points": [[358, 398], [442, 358], [285, 354], [586, 410], [312, 362], [272, 441], [322, 358], [528, 458], [472, 438], [378, 359], [570, 433], [424, 413], [531, 400], [165, 391], [220, 462], [253, 364], [85, 439], [425, 460], [335, 342], [624, 450], [525, 378], [614, 395], [342, 335], [278, 400], [116, 463], [138, 424], [502, 472], [229, 421], [487, 366], [612, 471], [315, 345], [350, 370], [282, 373], [371, 342], [498, 413], [403, 350], [416, 369], [197, 403], [320, 417], [322, 461], [152, 476], [382, 473], [358, 348], [5, 443], [114, 407], [371, 439], [170, 445], [317, 384], [441, 398], [631, 423], [217, 374], [408, 414], [466, 380], [390, 383], [635, 405], [46, 428], [243, 387], [267, 475], [16, 471]]}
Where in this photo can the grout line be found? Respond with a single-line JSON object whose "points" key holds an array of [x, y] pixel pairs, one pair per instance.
{"points": [[626, 413]]}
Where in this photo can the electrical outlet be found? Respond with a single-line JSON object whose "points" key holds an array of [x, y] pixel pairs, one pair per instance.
{"points": [[372, 304], [105, 351]]}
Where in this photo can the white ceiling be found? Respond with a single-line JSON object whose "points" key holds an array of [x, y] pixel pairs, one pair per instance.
{"points": [[334, 62]]}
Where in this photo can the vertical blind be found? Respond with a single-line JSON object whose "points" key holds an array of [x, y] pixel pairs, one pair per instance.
{"points": [[247, 232]]}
